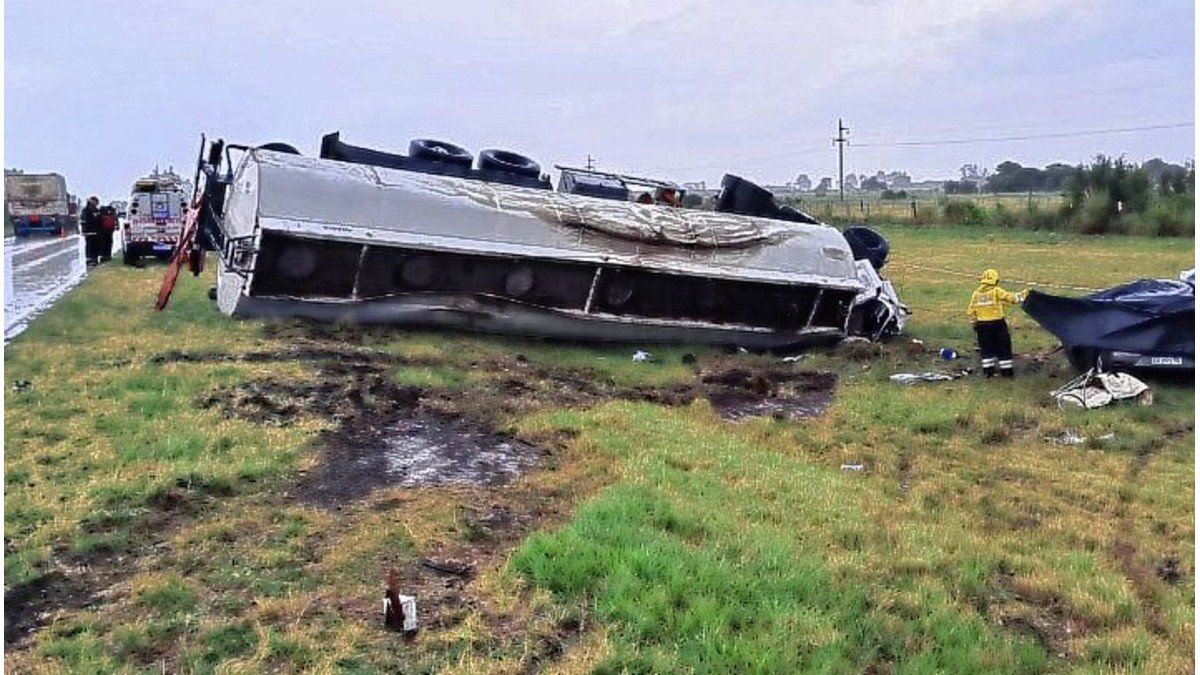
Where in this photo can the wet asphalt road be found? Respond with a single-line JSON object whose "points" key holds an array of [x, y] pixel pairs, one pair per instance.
{"points": [[37, 272]]}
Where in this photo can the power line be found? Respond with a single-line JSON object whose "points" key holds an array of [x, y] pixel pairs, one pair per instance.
{"points": [[816, 148], [1028, 137]]}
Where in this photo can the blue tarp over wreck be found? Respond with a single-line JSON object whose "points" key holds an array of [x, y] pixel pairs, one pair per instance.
{"points": [[1149, 316]]}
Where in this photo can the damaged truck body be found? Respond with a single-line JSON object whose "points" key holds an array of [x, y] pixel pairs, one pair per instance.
{"points": [[439, 238]]}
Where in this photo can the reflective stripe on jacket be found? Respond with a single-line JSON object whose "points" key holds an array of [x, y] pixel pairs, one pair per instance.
{"points": [[987, 303]]}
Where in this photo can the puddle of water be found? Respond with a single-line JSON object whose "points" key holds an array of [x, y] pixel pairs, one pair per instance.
{"points": [[416, 450], [424, 451]]}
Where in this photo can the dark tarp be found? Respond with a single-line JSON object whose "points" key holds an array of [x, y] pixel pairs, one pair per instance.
{"points": [[1150, 316]]}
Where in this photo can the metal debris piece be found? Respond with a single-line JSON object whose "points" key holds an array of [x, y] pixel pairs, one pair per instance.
{"points": [[457, 568], [909, 379]]}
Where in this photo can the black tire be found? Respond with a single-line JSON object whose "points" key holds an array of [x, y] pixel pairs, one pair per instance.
{"points": [[788, 213], [279, 147], [867, 244], [742, 197], [509, 162], [1084, 358], [440, 151]]}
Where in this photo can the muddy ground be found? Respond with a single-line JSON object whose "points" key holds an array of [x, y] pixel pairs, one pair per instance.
{"points": [[395, 436], [388, 437]]}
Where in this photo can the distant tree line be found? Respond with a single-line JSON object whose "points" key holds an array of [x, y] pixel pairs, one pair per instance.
{"points": [[1131, 180]]}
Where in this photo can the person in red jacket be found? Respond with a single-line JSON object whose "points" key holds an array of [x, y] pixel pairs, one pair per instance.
{"points": [[108, 226]]}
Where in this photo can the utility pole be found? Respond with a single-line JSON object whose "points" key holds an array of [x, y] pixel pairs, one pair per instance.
{"points": [[841, 141], [590, 165]]}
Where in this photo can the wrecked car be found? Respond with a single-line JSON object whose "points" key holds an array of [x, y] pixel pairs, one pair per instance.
{"points": [[440, 238], [1148, 324]]}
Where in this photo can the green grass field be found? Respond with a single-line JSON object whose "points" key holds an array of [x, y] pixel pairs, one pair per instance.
{"points": [[146, 530]]}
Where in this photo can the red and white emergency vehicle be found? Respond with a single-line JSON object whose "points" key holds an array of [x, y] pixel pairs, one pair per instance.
{"points": [[157, 207]]}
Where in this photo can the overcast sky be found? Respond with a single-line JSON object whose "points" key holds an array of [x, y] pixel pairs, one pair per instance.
{"points": [[104, 91]]}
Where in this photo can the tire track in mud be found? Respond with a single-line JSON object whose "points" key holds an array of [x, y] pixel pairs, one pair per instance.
{"points": [[1125, 552]]}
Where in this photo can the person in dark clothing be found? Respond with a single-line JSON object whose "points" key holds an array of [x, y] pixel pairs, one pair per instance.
{"points": [[108, 225], [89, 222]]}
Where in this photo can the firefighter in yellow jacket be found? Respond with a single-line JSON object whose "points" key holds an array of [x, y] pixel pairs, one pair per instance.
{"points": [[991, 330]]}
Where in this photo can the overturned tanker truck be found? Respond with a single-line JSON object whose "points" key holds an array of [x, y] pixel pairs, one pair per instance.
{"points": [[439, 238]]}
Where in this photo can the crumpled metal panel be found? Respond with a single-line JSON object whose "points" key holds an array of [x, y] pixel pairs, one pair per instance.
{"points": [[364, 204]]}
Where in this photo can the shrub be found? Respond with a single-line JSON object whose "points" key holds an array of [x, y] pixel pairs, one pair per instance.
{"points": [[964, 212], [1095, 215]]}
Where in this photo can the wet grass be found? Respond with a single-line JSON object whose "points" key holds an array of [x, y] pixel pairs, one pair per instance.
{"points": [[664, 539]]}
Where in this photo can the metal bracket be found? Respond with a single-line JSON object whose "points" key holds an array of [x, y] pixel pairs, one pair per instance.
{"points": [[238, 255]]}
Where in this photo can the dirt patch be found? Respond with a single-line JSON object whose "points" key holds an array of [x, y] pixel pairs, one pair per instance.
{"points": [[29, 606], [413, 449], [738, 393], [1041, 614], [1141, 576], [1168, 570], [396, 436]]}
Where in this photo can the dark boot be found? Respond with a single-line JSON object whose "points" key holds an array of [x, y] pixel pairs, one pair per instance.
{"points": [[988, 371], [1007, 372]]}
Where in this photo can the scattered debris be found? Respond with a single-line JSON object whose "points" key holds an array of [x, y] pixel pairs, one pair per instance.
{"points": [[1168, 570], [794, 358], [909, 379], [915, 347], [22, 385], [1096, 389], [451, 566], [1069, 437], [641, 357], [852, 467], [1066, 438], [948, 354], [688, 359]]}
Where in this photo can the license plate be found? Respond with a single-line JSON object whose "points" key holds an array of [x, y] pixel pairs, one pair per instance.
{"points": [[162, 248], [1166, 361]]}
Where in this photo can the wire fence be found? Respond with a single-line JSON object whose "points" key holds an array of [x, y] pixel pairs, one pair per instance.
{"points": [[913, 208]]}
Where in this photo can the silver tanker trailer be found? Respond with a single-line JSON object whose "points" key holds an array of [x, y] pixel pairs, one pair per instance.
{"points": [[436, 238]]}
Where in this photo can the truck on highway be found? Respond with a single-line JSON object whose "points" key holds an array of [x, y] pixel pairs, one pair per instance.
{"points": [[37, 203], [157, 206]]}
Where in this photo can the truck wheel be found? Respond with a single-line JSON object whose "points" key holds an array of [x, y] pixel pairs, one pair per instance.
{"points": [[279, 147], [1083, 358], [439, 151], [130, 255], [509, 162]]}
